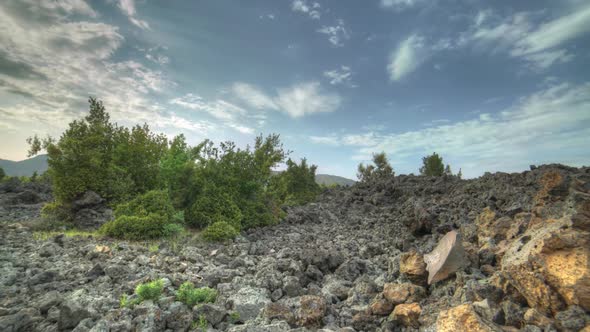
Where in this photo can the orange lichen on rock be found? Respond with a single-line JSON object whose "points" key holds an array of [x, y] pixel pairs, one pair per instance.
{"points": [[463, 318]]}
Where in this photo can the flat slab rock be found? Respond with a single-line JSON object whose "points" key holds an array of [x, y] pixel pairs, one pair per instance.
{"points": [[446, 258]]}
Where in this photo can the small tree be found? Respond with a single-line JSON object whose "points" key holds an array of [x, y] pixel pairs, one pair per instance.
{"points": [[448, 170], [460, 174], [381, 169], [432, 165], [2, 173]]}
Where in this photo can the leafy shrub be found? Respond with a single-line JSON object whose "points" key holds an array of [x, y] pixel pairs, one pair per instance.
{"points": [[171, 230], [214, 206], [135, 227], [55, 213], [149, 291], [381, 169], [189, 295], [219, 231], [152, 202]]}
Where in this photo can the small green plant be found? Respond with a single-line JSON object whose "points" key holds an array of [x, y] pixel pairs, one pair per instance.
{"points": [[124, 301], [219, 231], [189, 295], [153, 248], [149, 291], [203, 323], [234, 317], [172, 230]]}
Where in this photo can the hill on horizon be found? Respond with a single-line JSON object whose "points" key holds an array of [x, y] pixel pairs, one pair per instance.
{"points": [[329, 180], [25, 167]]}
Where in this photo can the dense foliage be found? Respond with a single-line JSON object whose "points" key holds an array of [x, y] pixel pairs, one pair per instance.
{"points": [[2, 173], [219, 231], [381, 169], [433, 165], [149, 178]]}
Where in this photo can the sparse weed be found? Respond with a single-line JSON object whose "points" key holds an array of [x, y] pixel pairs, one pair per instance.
{"points": [[189, 295]]}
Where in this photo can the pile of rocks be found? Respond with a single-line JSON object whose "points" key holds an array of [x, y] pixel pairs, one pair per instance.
{"points": [[504, 252]]}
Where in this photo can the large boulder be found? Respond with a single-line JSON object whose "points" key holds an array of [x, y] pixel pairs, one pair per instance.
{"points": [[91, 211], [464, 318], [249, 301], [448, 257]]}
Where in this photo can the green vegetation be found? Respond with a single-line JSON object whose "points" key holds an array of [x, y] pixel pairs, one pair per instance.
{"points": [[2, 174], [124, 301], [189, 295], [234, 317], [433, 166], [219, 231], [149, 291], [159, 186], [380, 170]]}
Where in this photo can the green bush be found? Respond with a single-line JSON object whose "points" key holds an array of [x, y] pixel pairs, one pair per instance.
{"points": [[219, 231], [55, 212], [171, 230], [149, 291], [214, 206], [189, 295], [152, 202], [151, 226]]}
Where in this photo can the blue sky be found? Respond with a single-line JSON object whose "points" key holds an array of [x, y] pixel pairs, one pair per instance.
{"points": [[491, 86]]}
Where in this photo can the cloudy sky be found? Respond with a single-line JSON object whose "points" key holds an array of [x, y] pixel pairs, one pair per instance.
{"points": [[491, 86]]}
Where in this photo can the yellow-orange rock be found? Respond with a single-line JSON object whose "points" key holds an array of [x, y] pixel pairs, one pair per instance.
{"points": [[402, 293], [381, 307], [407, 314], [549, 266], [463, 318], [413, 266]]}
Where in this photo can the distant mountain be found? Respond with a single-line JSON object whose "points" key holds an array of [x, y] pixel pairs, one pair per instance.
{"points": [[330, 180], [25, 167]]}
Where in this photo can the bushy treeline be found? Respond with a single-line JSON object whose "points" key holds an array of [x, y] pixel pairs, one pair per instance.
{"points": [[158, 185], [432, 165]]}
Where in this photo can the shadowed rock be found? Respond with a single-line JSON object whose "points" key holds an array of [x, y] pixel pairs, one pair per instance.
{"points": [[446, 258]]}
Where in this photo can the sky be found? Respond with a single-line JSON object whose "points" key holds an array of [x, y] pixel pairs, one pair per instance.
{"points": [[489, 85]]}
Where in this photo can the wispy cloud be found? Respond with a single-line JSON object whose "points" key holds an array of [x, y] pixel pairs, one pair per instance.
{"points": [[551, 125], [297, 100], [128, 8], [342, 75], [408, 56], [399, 5], [311, 9], [522, 36], [337, 33]]}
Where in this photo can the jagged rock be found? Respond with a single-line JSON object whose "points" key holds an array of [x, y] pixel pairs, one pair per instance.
{"points": [[446, 258], [70, 314], [178, 317], [212, 313], [311, 311], [274, 327], [279, 311], [88, 199], [249, 301], [550, 263], [402, 293], [463, 318], [381, 307], [572, 319], [534, 317], [407, 314], [413, 266], [24, 320]]}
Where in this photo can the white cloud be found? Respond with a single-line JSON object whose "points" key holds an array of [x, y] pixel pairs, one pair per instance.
{"points": [[399, 5], [219, 109], [343, 75], [297, 100], [326, 140], [551, 125], [128, 8], [306, 98], [409, 55], [253, 96], [302, 6], [519, 35], [337, 34]]}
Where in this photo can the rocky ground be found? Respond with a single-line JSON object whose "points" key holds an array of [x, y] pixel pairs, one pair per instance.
{"points": [[352, 261]]}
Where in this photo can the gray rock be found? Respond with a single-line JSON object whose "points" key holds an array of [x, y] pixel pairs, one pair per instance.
{"points": [[572, 319], [24, 320], [71, 314], [49, 300], [212, 313], [178, 317], [249, 301], [42, 278], [274, 327]]}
